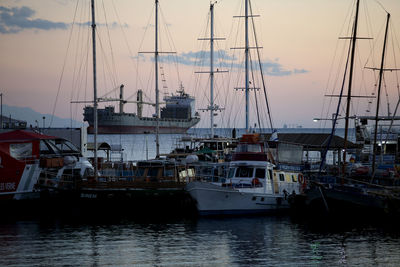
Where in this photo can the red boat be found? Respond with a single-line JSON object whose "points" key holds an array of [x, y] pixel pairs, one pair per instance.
{"points": [[31, 162]]}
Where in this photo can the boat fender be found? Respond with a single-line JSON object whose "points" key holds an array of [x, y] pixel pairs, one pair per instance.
{"points": [[285, 193], [301, 179]]}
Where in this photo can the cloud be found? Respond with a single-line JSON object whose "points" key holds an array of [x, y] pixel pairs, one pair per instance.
{"points": [[16, 19], [272, 68]]}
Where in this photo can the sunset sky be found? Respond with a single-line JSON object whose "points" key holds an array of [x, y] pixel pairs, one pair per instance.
{"points": [[46, 58]]}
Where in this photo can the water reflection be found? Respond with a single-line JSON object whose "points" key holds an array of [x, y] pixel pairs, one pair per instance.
{"points": [[253, 241]]}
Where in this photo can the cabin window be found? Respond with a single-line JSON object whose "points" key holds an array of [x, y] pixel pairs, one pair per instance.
{"points": [[270, 174], [244, 172], [21, 151], [212, 146], [183, 174], [190, 172], [169, 172], [88, 173], [66, 147], [48, 147], [260, 173], [152, 172], [140, 172], [231, 172], [281, 177], [294, 179], [220, 146], [248, 148]]}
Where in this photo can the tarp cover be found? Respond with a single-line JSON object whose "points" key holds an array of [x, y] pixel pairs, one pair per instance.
{"points": [[290, 153]]}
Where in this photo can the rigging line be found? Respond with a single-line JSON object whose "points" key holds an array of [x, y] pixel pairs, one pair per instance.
{"points": [[79, 51], [170, 42], [354, 105], [372, 44], [138, 77], [325, 152], [240, 99], [347, 23], [260, 66], [63, 67], [198, 63], [255, 93], [386, 94], [381, 6], [392, 120], [84, 52], [334, 79], [77, 68], [84, 78], [107, 66], [393, 33], [370, 33], [110, 92], [110, 45], [123, 32], [231, 76]]}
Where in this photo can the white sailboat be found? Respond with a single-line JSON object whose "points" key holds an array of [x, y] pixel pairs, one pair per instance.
{"points": [[254, 184]]}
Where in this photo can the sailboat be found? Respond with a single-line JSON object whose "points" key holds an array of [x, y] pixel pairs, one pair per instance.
{"points": [[158, 183], [177, 116], [360, 186], [253, 183]]}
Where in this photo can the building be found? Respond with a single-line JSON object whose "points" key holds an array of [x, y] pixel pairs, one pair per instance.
{"points": [[9, 123]]}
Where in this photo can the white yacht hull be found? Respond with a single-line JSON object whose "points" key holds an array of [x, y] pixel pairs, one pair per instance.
{"points": [[212, 199]]}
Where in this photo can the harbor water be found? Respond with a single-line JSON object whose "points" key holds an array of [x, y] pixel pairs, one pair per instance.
{"points": [[248, 241], [164, 239]]}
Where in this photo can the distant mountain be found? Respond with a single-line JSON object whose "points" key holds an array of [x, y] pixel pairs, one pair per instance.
{"points": [[36, 119]]}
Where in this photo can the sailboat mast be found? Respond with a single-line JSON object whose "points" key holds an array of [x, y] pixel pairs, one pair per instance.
{"points": [[94, 89], [156, 83], [353, 48], [212, 107], [212, 69], [379, 94], [247, 62]]}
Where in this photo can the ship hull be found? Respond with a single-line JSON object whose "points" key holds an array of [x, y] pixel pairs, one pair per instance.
{"points": [[136, 130], [217, 200], [130, 124]]}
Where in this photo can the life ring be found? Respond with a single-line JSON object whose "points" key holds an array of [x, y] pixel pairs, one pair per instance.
{"points": [[255, 182]]}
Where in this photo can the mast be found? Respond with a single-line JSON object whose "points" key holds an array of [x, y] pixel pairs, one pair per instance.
{"points": [[121, 99], [156, 53], [246, 66], [156, 83], [94, 90], [353, 47], [212, 107], [247, 62], [379, 94], [212, 69]]}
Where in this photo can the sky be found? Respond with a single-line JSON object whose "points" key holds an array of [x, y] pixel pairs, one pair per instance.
{"points": [[45, 53]]}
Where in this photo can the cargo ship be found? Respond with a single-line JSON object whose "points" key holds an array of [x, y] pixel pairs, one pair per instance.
{"points": [[177, 116]]}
